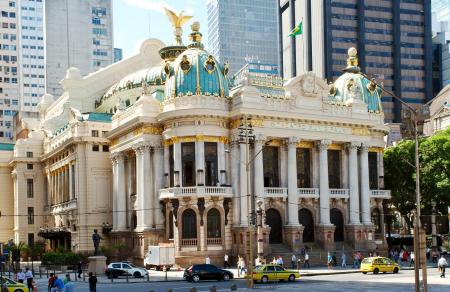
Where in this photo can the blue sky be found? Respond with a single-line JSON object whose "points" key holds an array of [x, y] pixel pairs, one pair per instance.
{"points": [[137, 20]]}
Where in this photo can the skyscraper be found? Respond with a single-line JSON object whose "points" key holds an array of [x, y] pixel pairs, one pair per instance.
{"points": [[393, 39], [78, 34], [243, 30], [441, 50], [118, 54], [9, 83]]}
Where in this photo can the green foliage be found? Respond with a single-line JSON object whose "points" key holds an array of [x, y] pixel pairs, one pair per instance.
{"points": [[57, 258], [399, 174]]}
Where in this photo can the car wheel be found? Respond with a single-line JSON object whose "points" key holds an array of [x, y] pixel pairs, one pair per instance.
{"points": [[291, 278], [364, 273], [195, 278], [18, 290], [137, 275], [226, 277], [395, 270], [375, 271], [264, 279]]}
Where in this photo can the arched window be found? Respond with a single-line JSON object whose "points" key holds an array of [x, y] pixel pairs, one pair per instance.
{"points": [[189, 227], [213, 223]]}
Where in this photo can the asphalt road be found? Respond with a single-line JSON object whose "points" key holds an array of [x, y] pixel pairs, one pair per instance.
{"points": [[404, 281]]}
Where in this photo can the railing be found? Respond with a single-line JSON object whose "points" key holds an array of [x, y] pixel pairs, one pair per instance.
{"points": [[308, 192], [195, 191], [64, 207], [189, 241], [275, 192], [339, 193], [381, 194], [214, 241]]}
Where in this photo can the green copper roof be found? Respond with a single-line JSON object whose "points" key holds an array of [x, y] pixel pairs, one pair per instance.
{"points": [[99, 117], [6, 147]]}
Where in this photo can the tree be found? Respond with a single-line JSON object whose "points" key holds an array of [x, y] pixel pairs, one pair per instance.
{"points": [[434, 157]]}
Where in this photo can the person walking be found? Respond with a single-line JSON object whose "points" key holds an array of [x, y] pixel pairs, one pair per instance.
{"points": [[207, 260], [293, 261], [330, 261], [434, 256], [29, 278], [92, 282], [239, 265], [274, 261], [68, 284], [21, 276], [306, 260], [355, 261], [334, 259], [412, 259], [58, 285], [225, 261], [51, 280], [344, 260], [243, 269], [80, 269], [442, 264], [280, 261]]}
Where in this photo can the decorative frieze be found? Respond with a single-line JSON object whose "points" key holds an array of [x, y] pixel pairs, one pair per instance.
{"points": [[197, 138]]}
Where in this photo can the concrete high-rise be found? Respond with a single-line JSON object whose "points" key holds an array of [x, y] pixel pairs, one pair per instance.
{"points": [[240, 31], [393, 39], [9, 81], [78, 33]]}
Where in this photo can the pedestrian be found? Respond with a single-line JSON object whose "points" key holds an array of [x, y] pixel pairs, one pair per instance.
{"points": [[329, 261], [405, 257], [58, 285], [66, 279], [68, 285], [92, 282], [21, 276], [303, 251], [442, 264], [225, 261], [239, 265], [428, 253], [434, 256], [412, 259], [355, 261], [29, 278], [51, 280], [207, 260], [243, 269], [344, 260], [80, 269], [274, 261], [396, 256], [306, 260], [280, 261], [360, 258], [293, 261], [333, 257]]}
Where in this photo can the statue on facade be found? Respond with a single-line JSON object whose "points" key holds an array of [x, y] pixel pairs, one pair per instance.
{"points": [[96, 239]]}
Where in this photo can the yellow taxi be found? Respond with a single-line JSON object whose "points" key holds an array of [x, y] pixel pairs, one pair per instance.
{"points": [[13, 286], [267, 273], [379, 264]]}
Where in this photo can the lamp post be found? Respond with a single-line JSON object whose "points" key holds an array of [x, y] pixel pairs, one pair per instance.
{"points": [[417, 225], [433, 224], [259, 222]]}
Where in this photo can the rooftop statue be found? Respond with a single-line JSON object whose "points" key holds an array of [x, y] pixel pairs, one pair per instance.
{"points": [[177, 22]]}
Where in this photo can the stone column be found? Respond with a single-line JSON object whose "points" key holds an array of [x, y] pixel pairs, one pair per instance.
{"points": [[140, 224], [71, 195], [235, 163], [200, 163], [148, 191], [365, 187], [158, 164], [115, 187], [177, 164], [323, 184], [259, 167], [166, 167], [292, 182], [66, 183], [121, 194], [221, 163], [353, 182], [243, 184]]}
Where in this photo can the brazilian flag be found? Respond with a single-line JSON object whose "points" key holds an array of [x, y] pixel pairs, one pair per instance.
{"points": [[298, 30]]}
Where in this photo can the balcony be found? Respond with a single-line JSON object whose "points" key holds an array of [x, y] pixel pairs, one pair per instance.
{"points": [[199, 191], [275, 192], [63, 207], [308, 193], [339, 194], [214, 241], [189, 241], [380, 194]]}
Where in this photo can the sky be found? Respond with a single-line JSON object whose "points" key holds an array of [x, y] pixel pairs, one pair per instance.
{"points": [[137, 20]]}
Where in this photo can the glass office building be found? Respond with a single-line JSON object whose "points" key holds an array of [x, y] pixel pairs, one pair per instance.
{"points": [[243, 30]]}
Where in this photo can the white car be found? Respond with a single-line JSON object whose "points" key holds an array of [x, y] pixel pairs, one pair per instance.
{"points": [[122, 269]]}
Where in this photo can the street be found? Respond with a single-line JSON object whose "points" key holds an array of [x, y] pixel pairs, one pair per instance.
{"points": [[404, 281]]}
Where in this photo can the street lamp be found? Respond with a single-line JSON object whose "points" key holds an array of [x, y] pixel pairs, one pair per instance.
{"points": [[417, 227], [259, 223]]}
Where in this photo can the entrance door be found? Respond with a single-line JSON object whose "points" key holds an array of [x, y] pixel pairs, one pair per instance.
{"points": [[306, 219], [337, 219], [273, 219]]}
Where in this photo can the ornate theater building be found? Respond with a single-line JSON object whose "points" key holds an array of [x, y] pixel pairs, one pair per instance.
{"points": [[153, 149]]}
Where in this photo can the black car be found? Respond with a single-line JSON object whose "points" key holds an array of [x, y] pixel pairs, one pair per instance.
{"points": [[196, 273]]}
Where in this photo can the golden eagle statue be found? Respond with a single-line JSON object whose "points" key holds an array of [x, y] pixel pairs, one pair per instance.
{"points": [[177, 22]]}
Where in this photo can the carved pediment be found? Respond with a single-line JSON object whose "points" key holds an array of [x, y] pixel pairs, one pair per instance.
{"points": [[306, 85]]}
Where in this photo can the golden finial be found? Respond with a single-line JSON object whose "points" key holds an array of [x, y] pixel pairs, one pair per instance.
{"points": [[177, 22], [352, 60], [195, 36]]}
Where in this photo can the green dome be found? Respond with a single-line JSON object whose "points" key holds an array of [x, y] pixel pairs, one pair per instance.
{"points": [[354, 85]]}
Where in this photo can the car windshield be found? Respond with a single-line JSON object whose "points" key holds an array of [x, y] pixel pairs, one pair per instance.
{"points": [[367, 261]]}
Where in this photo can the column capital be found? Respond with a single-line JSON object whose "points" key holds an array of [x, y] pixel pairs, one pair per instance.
{"points": [[260, 139], [140, 148], [322, 145], [354, 145], [234, 138], [292, 141], [364, 147]]}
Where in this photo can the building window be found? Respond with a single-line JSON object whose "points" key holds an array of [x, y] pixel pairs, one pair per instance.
{"points": [[29, 154], [303, 168], [104, 133], [270, 165], [29, 166], [213, 223], [211, 178], [30, 239], [334, 169], [105, 148], [189, 226], [95, 147], [171, 166], [30, 188], [94, 133], [30, 215], [188, 164], [373, 170]]}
